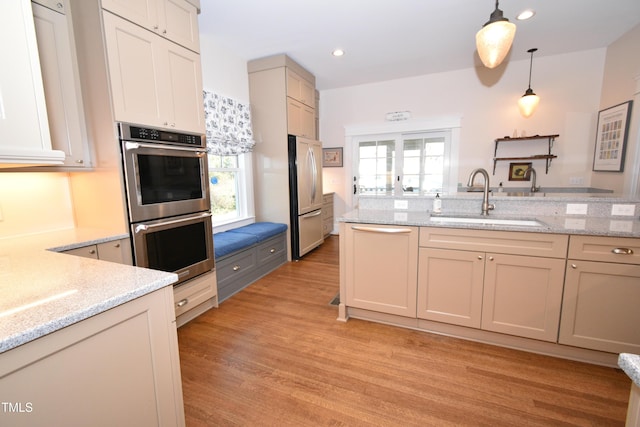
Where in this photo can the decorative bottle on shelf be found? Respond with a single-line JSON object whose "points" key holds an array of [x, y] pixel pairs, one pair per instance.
{"points": [[437, 204]]}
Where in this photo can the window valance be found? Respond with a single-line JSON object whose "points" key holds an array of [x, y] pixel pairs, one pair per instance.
{"points": [[228, 125]]}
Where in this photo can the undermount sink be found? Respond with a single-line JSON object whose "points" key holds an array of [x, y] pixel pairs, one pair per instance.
{"points": [[520, 222]]}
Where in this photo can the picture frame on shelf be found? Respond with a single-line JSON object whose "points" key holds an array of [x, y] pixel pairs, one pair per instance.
{"points": [[517, 171], [332, 157], [611, 138]]}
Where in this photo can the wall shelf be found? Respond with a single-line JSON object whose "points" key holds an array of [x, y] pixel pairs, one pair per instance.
{"points": [[547, 157]]}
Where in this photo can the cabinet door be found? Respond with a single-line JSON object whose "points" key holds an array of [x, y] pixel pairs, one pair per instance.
{"points": [[600, 307], [179, 23], [24, 132], [117, 251], [381, 268], [523, 295], [135, 71], [300, 89], [142, 12], [183, 85], [300, 119], [90, 251], [61, 86], [450, 286]]}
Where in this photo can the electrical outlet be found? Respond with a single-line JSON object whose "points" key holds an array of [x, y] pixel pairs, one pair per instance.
{"points": [[401, 204], [624, 210], [577, 208]]}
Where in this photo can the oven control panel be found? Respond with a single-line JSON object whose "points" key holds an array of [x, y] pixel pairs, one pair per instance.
{"points": [[137, 133]]}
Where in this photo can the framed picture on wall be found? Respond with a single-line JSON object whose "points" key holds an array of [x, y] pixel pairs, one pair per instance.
{"points": [[611, 138], [517, 170], [332, 157]]}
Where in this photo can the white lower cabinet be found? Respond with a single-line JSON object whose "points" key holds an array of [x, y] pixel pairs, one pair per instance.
{"points": [[118, 368], [504, 291], [600, 305], [382, 263], [114, 251]]}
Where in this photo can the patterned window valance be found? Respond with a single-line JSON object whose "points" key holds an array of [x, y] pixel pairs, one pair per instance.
{"points": [[228, 124]]}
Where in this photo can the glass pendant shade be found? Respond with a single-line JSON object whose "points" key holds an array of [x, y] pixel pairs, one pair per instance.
{"points": [[493, 42], [528, 103]]}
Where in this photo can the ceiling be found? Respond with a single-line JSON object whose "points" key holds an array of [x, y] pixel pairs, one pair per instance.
{"points": [[385, 40]]}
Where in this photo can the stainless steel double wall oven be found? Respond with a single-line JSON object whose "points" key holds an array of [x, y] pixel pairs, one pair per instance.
{"points": [[168, 199]]}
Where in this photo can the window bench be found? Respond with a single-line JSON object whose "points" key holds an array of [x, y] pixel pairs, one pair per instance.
{"points": [[245, 254]]}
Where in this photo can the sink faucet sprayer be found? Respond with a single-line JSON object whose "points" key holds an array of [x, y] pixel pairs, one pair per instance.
{"points": [[486, 206], [532, 171]]}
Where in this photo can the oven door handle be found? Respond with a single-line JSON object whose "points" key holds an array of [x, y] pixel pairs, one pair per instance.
{"points": [[132, 146], [145, 227]]}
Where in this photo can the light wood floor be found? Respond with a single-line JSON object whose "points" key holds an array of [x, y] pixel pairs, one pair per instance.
{"points": [[274, 355]]}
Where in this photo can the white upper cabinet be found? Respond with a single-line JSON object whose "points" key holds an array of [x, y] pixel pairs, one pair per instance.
{"points": [[153, 81], [24, 130], [176, 20], [61, 84]]}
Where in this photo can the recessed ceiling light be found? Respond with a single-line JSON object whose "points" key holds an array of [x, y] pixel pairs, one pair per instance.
{"points": [[525, 14], [338, 52]]}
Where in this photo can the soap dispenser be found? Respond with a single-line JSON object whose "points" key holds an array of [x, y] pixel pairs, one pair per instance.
{"points": [[437, 204]]}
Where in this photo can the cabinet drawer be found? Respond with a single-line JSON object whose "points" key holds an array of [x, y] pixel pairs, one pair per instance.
{"points": [[506, 242], [194, 292], [272, 249], [235, 266], [624, 250]]}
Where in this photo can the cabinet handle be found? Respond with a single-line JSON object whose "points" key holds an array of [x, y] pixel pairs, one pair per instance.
{"points": [[59, 5], [490, 258], [164, 31], [117, 245], [272, 250], [622, 251], [92, 251], [574, 266], [381, 230], [236, 267], [480, 257], [79, 161], [182, 303]]}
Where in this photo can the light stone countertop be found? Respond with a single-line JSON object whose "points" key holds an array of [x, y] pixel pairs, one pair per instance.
{"points": [[630, 364], [593, 226], [42, 291]]}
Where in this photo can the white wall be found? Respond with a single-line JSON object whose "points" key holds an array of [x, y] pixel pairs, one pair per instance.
{"points": [[568, 85], [222, 71], [622, 71]]}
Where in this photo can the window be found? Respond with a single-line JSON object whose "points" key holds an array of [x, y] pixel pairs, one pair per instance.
{"points": [[230, 188], [402, 164]]}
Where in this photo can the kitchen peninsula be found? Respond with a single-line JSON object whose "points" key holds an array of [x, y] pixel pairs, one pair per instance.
{"points": [[85, 341], [532, 275]]}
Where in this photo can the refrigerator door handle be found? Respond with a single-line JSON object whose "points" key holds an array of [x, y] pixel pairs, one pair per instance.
{"points": [[314, 172], [312, 214]]}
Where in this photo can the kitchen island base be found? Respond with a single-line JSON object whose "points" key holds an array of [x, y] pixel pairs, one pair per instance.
{"points": [[118, 368]]}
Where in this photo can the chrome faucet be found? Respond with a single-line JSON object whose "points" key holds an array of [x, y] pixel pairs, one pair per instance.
{"points": [[486, 206], [532, 172]]}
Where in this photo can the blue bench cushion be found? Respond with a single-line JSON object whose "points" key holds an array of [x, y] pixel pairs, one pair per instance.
{"points": [[226, 243], [261, 230]]}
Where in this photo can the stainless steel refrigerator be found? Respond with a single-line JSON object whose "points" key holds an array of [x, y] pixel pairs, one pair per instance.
{"points": [[305, 195]]}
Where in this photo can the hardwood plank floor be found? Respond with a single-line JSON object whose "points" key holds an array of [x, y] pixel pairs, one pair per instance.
{"points": [[274, 354]]}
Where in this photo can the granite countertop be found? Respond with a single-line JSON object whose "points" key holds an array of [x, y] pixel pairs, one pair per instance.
{"points": [[42, 291], [560, 224], [630, 364]]}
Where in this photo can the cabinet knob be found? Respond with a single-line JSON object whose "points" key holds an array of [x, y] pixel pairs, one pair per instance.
{"points": [[272, 250], [79, 161], [117, 245], [480, 257], [92, 251], [490, 258], [182, 302], [574, 266], [59, 5], [236, 267]]}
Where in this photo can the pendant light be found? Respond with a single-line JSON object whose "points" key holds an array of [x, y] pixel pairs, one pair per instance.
{"points": [[529, 101], [494, 39]]}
